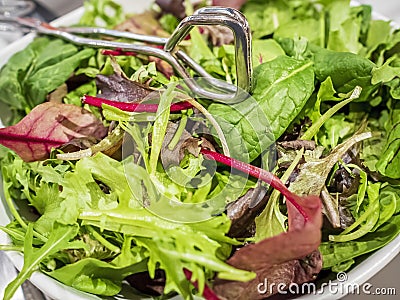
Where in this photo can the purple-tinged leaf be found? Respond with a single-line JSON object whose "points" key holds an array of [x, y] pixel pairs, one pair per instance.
{"points": [[47, 126]]}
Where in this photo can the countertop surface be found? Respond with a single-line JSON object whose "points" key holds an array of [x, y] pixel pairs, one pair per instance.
{"points": [[386, 278]]}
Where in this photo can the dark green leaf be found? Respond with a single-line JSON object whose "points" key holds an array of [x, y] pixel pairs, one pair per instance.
{"points": [[389, 162], [281, 88]]}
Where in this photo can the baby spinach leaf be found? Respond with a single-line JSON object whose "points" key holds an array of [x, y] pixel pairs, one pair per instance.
{"points": [[281, 88], [48, 78], [59, 239], [271, 221], [347, 70], [95, 276]]}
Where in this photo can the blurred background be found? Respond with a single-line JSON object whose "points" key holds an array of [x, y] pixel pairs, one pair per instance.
{"points": [[49, 10]]}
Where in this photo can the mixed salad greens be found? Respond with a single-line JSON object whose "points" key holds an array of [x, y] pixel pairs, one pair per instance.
{"points": [[326, 89]]}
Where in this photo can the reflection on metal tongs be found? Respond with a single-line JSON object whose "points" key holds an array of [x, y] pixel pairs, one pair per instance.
{"points": [[210, 88]]}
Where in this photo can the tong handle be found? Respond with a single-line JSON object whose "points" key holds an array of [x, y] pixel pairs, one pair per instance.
{"points": [[213, 88], [230, 18]]}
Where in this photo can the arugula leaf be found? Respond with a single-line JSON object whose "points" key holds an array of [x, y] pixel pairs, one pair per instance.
{"points": [[336, 253], [95, 276], [313, 130], [59, 239], [367, 220], [281, 88]]}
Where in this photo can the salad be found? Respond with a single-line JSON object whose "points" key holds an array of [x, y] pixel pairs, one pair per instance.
{"points": [[115, 173]]}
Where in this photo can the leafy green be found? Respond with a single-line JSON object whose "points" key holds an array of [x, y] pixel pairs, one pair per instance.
{"points": [[347, 70], [336, 253], [367, 220], [308, 57], [59, 239], [281, 88], [95, 276], [346, 26], [160, 127]]}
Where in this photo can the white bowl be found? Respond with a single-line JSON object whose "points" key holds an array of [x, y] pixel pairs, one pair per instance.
{"points": [[58, 291]]}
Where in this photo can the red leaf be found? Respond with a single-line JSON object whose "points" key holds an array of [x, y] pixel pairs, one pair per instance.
{"points": [[50, 125], [277, 259]]}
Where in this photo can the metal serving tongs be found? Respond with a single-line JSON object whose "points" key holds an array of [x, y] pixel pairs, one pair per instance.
{"points": [[214, 89]]}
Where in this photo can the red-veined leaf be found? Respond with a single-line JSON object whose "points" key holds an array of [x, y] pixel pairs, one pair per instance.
{"points": [[50, 125]]}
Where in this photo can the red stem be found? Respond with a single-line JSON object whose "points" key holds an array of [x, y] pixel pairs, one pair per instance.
{"points": [[207, 292], [118, 52], [261, 174], [133, 107]]}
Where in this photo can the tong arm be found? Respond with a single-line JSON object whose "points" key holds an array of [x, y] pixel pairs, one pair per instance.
{"points": [[231, 18]]}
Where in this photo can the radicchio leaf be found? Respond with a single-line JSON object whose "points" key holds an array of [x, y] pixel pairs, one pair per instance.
{"points": [[50, 125], [280, 258]]}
